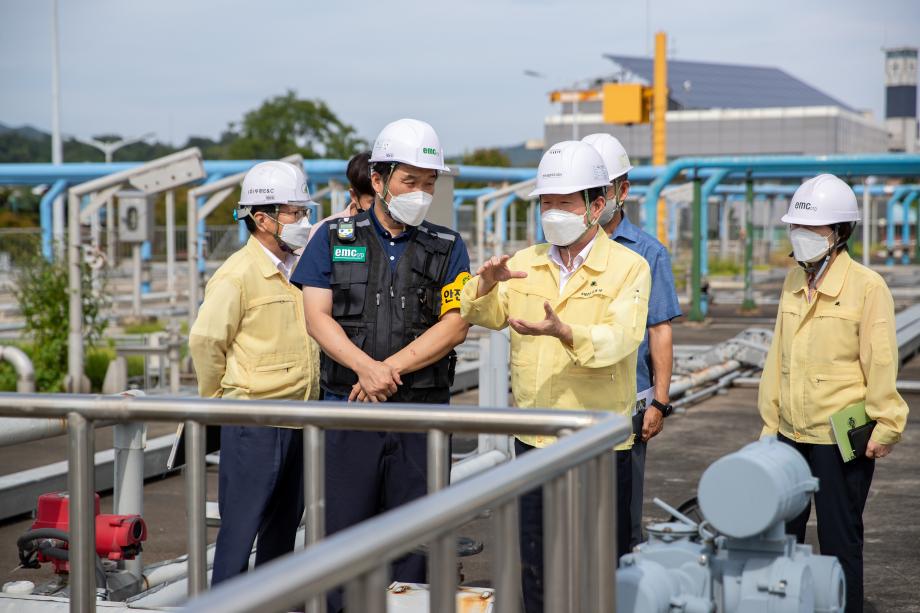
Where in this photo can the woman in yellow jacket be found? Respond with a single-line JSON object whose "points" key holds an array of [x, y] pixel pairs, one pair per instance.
{"points": [[834, 346]]}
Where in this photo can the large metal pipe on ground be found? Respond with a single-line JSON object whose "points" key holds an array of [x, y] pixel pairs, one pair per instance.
{"points": [[687, 382]]}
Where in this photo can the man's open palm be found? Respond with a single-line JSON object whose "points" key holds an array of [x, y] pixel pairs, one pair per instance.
{"points": [[550, 325]]}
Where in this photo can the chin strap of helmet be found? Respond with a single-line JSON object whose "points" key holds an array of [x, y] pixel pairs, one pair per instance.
{"points": [[814, 270]]}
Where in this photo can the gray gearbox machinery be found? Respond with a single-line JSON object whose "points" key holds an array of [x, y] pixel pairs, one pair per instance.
{"points": [[739, 560]]}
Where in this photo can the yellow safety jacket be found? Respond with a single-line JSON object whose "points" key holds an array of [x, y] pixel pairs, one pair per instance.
{"points": [[606, 304], [835, 351], [250, 338]]}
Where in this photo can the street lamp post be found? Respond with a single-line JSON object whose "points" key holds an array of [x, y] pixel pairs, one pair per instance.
{"points": [[109, 149]]}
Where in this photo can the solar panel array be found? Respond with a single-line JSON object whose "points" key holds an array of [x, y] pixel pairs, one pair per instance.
{"points": [[704, 85]]}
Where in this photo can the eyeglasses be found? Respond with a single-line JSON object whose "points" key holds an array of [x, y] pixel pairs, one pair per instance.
{"points": [[297, 214]]}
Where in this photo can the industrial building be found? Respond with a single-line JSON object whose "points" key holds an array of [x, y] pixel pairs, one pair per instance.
{"points": [[733, 109]]}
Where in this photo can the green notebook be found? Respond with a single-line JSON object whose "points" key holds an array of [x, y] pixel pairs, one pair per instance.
{"points": [[842, 422]]}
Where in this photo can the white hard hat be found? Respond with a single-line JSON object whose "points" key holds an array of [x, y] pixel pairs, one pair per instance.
{"points": [[614, 154], [274, 182], [409, 141], [568, 167], [822, 201]]}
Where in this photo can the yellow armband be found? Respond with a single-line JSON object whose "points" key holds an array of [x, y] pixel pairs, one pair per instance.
{"points": [[450, 293]]}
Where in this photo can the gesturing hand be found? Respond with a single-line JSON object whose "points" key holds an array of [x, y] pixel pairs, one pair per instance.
{"points": [[495, 270], [551, 325], [378, 381]]}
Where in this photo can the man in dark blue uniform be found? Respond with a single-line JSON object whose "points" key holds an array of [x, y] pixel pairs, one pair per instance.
{"points": [[382, 297]]}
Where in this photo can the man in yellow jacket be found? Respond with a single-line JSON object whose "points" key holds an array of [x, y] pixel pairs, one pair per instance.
{"points": [[577, 309], [250, 341], [834, 346]]}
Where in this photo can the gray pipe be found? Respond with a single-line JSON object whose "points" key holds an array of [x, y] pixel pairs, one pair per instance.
{"points": [[15, 430], [129, 440], [25, 373]]}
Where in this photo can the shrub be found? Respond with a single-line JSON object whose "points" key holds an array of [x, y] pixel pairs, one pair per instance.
{"points": [[42, 293], [96, 365]]}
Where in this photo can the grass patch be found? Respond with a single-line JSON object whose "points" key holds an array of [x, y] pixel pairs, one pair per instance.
{"points": [[135, 365], [724, 268], [96, 365], [145, 328]]}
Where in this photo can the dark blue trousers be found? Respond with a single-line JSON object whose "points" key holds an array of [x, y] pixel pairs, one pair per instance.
{"points": [[531, 529], [368, 473], [260, 493], [844, 488]]}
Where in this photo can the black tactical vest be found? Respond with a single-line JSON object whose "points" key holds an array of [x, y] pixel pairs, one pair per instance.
{"points": [[382, 311]]}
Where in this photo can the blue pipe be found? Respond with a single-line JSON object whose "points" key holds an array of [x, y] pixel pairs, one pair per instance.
{"points": [[323, 170], [45, 209], [705, 192], [672, 222], [896, 196], [864, 164], [788, 190], [905, 226], [455, 211], [36, 174], [539, 225], [317, 170], [471, 193], [146, 256]]}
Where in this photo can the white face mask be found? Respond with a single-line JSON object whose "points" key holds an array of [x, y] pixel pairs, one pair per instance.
{"points": [[410, 208], [808, 246], [295, 235], [610, 209], [562, 228]]}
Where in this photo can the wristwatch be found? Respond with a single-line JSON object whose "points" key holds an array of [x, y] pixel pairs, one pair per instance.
{"points": [[666, 409]]}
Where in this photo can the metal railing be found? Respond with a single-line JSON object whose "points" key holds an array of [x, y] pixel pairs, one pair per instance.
{"points": [[579, 537], [571, 469]]}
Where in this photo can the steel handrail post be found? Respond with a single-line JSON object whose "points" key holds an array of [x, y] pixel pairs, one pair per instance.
{"points": [[604, 528], [506, 581], [196, 497], [81, 491], [375, 586], [555, 545], [442, 565], [314, 460]]}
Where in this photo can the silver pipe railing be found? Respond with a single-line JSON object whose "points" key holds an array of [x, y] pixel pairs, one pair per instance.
{"points": [[358, 557], [82, 411]]}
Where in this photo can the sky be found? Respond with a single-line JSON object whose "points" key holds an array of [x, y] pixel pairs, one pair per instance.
{"points": [[181, 67]]}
